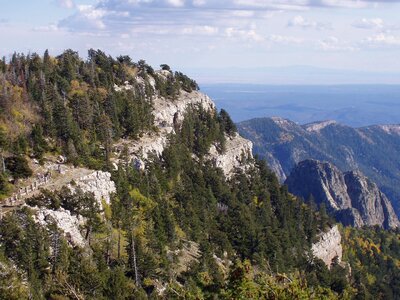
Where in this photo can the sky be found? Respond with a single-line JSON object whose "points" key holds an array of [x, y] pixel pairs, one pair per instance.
{"points": [[303, 41]]}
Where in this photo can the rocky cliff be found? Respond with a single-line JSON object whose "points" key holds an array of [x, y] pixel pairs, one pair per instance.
{"points": [[329, 246], [237, 151], [351, 197], [169, 113], [284, 144], [373, 205]]}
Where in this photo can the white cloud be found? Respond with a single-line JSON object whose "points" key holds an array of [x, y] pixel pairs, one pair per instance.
{"points": [[199, 2], [243, 13], [334, 44], [243, 34], [176, 3], [233, 20], [271, 4], [87, 18], [66, 3], [364, 23], [300, 21], [200, 30], [282, 39], [382, 40], [340, 3], [115, 15], [48, 28]]}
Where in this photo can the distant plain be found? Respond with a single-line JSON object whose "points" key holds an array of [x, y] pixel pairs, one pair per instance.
{"points": [[353, 105]]}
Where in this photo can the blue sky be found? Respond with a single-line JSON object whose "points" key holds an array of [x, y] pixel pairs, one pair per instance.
{"points": [[202, 36]]}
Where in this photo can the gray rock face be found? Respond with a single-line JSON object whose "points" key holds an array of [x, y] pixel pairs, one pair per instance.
{"points": [[329, 246], [373, 205], [238, 149], [99, 183], [166, 110], [374, 150], [275, 166], [68, 223], [167, 113], [351, 197], [321, 180]]}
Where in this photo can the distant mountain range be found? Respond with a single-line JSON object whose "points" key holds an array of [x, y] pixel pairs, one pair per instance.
{"points": [[373, 150]]}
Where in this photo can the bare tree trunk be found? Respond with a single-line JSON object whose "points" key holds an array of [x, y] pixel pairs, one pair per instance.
{"points": [[3, 165], [88, 234], [119, 243], [109, 239], [133, 253]]}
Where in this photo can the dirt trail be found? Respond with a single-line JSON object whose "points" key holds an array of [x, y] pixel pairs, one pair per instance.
{"points": [[50, 177]]}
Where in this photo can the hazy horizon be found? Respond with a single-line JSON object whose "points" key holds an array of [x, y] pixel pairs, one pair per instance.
{"points": [[292, 75], [353, 105]]}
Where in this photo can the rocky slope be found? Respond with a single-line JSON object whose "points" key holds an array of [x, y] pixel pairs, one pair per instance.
{"points": [[237, 151], [98, 182], [350, 196], [284, 144], [69, 224], [329, 246], [168, 114]]}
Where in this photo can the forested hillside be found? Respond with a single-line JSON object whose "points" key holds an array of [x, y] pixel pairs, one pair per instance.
{"points": [[178, 227]]}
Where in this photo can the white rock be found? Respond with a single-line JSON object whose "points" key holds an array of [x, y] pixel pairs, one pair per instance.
{"points": [[237, 149], [99, 183], [168, 113], [68, 223], [329, 246], [127, 86], [166, 110], [318, 126], [390, 129], [283, 123]]}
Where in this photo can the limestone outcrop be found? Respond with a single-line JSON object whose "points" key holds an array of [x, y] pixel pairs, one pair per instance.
{"points": [[329, 246], [99, 183], [168, 114], [237, 151], [68, 223]]}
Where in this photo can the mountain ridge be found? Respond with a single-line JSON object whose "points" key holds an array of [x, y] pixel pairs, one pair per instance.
{"points": [[160, 197], [374, 150]]}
